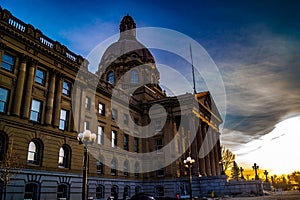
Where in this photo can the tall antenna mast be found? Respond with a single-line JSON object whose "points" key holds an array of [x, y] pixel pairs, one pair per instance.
{"points": [[193, 70]]}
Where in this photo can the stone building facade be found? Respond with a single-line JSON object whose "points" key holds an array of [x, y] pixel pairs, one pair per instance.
{"points": [[48, 96]]}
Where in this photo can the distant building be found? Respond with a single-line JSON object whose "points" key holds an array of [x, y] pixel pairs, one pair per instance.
{"points": [[44, 104]]}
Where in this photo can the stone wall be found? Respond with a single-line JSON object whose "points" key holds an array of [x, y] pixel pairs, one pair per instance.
{"points": [[220, 186]]}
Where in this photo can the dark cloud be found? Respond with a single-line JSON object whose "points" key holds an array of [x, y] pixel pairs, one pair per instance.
{"points": [[262, 82]]}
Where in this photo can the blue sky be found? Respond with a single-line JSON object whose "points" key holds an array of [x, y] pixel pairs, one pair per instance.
{"points": [[255, 45]]}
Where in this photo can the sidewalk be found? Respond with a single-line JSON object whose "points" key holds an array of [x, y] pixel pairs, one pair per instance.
{"points": [[286, 195]]}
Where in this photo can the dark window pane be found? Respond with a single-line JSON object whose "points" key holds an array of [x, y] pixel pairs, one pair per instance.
{"points": [[35, 110], [66, 88], [40, 77], [110, 77], [3, 99], [7, 62]]}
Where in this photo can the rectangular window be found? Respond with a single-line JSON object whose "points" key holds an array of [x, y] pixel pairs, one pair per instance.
{"points": [[99, 167], [126, 142], [126, 119], [113, 168], [114, 114], [100, 138], [87, 103], [8, 62], [101, 109], [35, 112], [86, 125], [66, 88], [114, 139], [160, 172], [136, 145], [40, 77], [158, 125], [158, 145], [63, 121], [3, 100]]}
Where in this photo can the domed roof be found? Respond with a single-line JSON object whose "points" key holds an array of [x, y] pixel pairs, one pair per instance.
{"points": [[124, 48], [127, 45]]}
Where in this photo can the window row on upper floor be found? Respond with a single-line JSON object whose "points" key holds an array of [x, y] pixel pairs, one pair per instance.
{"points": [[8, 62], [114, 139]]}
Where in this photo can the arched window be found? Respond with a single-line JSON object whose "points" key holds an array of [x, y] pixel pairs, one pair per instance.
{"points": [[113, 170], [100, 191], [64, 157], [35, 150], [3, 145], [134, 56], [111, 77], [115, 191], [126, 168], [137, 189], [126, 192], [134, 76], [32, 191], [63, 191]]}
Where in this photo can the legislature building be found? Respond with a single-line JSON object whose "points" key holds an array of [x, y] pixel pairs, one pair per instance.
{"points": [[143, 136]]}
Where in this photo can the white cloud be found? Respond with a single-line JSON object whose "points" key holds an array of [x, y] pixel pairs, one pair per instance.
{"points": [[276, 150]]}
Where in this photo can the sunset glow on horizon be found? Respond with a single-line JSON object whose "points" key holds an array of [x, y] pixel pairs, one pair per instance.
{"points": [[274, 151]]}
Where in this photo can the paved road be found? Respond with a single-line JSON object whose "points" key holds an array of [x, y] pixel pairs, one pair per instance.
{"points": [[287, 195]]}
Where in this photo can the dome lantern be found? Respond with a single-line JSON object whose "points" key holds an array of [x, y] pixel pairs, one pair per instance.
{"points": [[127, 28]]}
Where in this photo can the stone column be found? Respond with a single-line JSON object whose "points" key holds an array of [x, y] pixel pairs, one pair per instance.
{"points": [[206, 144], [183, 139], [82, 108], [28, 91], [193, 144], [57, 105], [19, 87], [50, 99], [217, 159], [202, 168], [219, 152], [212, 152], [76, 102]]}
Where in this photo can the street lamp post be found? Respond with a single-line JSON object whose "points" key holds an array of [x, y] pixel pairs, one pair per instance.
{"points": [[85, 138], [188, 163]]}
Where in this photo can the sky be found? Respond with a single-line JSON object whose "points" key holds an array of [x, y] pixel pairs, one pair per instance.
{"points": [[254, 44]]}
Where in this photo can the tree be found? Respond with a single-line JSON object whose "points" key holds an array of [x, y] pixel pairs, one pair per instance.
{"points": [[295, 177], [227, 158], [235, 171], [9, 166]]}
